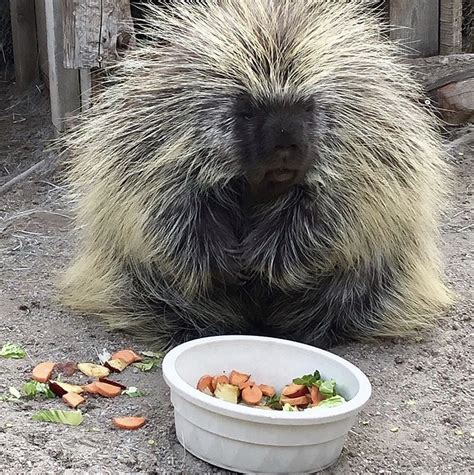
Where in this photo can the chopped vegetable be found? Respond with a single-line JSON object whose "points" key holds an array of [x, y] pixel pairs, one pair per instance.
{"points": [[327, 389], [296, 401], [237, 378], [222, 379], [73, 418], [14, 392], [133, 392], [65, 369], [308, 391], [294, 390], [308, 379], [113, 383], [267, 390], [32, 388], [129, 356], [12, 351], [93, 370], [205, 383], [331, 402], [42, 372], [252, 395], [129, 423], [227, 392], [316, 397], [91, 388], [116, 365], [73, 399], [66, 388], [107, 390]]}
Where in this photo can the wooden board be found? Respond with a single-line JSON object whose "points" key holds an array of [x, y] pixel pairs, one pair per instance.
{"points": [[25, 48], [450, 26], [42, 42], [95, 31], [64, 84], [416, 25]]}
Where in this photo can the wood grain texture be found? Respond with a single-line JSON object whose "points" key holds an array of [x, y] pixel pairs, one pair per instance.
{"points": [[25, 47], [64, 86], [416, 25], [95, 31], [450, 26]]}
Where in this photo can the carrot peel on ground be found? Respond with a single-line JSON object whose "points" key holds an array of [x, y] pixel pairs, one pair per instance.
{"points": [[43, 371], [73, 399], [129, 423]]}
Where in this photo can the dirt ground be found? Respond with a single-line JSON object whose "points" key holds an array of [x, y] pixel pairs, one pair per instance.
{"points": [[419, 419]]}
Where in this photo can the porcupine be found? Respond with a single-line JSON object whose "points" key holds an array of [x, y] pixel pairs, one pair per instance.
{"points": [[261, 167]]}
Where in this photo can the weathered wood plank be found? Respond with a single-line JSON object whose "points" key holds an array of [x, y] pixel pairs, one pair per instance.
{"points": [[450, 26], [64, 85], [42, 42], [95, 31], [25, 48], [416, 25]]}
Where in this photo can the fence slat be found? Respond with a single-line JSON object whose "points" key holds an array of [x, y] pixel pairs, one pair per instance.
{"points": [[419, 20]]}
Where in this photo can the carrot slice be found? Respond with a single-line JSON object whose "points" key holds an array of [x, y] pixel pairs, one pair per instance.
{"points": [[205, 383], [129, 423], [42, 372], [246, 384], [252, 395], [316, 397], [221, 379], [90, 388], [107, 390], [129, 356], [73, 399], [268, 391], [237, 378], [294, 390], [296, 401]]}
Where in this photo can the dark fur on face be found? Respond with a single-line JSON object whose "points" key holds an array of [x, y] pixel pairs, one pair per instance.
{"points": [[275, 143]]}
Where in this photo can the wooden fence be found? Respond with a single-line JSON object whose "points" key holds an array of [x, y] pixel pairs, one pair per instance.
{"points": [[63, 40]]}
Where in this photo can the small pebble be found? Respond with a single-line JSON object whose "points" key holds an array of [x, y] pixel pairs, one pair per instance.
{"points": [[419, 367], [398, 360], [455, 326], [394, 429]]}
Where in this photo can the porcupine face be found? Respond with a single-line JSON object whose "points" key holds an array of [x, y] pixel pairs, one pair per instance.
{"points": [[274, 142]]}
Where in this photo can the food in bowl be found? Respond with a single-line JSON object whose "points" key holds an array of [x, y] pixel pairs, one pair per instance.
{"points": [[309, 391]]}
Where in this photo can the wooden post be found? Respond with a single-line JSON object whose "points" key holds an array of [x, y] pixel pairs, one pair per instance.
{"points": [[64, 85], [95, 31], [416, 25], [25, 48], [450, 27]]}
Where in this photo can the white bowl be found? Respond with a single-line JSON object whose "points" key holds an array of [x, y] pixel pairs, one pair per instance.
{"points": [[251, 440]]}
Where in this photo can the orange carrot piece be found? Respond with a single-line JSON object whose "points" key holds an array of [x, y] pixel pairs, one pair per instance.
{"points": [[205, 383], [42, 372], [221, 379], [90, 388], [73, 399], [129, 356], [268, 391], [129, 423], [252, 395], [294, 390], [296, 401], [246, 384], [316, 397], [237, 378], [107, 390]]}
